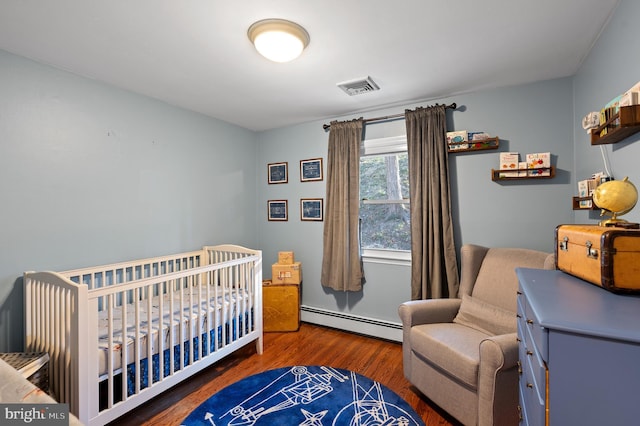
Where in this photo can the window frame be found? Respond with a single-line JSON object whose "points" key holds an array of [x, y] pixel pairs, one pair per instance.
{"points": [[382, 146]]}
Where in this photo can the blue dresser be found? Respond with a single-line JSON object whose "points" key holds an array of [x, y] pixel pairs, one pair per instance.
{"points": [[579, 352]]}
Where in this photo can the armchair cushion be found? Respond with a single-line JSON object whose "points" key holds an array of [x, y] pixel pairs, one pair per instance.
{"points": [[485, 317], [451, 347]]}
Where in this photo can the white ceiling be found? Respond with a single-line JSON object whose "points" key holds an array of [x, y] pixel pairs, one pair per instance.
{"points": [[195, 53]]}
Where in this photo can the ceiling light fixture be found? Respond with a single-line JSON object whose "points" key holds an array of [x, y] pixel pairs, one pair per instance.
{"points": [[278, 40]]}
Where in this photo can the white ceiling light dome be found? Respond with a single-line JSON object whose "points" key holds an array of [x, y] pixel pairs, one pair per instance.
{"points": [[278, 40]]}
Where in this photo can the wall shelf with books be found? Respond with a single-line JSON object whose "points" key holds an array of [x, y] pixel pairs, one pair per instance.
{"points": [[581, 203], [474, 145], [537, 166], [586, 187], [629, 124], [520, 174]]}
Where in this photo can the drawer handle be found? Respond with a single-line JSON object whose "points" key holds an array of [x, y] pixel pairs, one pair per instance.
{"points": [[519, 368], [518, 340], [529, 321], [529, 353], [530, 386], [520, 413], [518, 292]]}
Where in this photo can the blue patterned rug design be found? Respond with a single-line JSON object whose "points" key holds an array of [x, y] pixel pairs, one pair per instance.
{"points": [[305, 396]]}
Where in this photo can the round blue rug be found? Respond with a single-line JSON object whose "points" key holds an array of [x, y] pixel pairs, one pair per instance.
{"points": [[305, 396]]}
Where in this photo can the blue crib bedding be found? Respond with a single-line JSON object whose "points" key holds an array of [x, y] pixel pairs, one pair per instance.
{"points": [[188, 321], [225, 336]]}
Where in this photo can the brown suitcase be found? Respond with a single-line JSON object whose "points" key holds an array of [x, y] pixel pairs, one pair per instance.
{"points": [[280, 306], [606, 256]]}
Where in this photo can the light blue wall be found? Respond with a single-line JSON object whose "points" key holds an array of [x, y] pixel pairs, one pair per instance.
{"points": [[120, 176], [612, 67], [531, 118], [539, 117], [90, 174]]}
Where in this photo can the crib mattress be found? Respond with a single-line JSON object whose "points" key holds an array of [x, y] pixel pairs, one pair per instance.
{"points": [[185, 323]]}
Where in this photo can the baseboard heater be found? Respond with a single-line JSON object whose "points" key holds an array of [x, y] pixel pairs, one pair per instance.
{"points": [[353, 323]]}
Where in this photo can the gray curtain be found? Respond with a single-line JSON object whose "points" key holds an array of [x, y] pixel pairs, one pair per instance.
{"points": [[434, 268], [341, 261]]}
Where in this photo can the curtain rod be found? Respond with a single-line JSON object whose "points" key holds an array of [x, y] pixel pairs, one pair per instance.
{"points": [[388, 117]]}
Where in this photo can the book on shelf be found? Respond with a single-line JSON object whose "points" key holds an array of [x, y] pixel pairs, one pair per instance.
{"points": [[540, 160], [509, 162], [585, 189]]}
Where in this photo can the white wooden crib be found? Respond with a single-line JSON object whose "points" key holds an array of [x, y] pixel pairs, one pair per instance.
{"points": [[118, 335]]}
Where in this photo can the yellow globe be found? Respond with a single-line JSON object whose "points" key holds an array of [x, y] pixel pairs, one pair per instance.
{"points": [[616, 197]]}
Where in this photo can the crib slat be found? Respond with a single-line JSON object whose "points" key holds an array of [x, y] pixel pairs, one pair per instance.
{"points": [[110, 350], [149, 291], [210, 313], [189, 323], [216, 295], [51, 327], [181, 328], [136, 348], [124, 357], [239, 302], [172, 337], [161, 293]]}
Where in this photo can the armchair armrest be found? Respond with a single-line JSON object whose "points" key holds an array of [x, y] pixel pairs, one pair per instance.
{"points": [[499, 352], [428, 311], [498, 380]]}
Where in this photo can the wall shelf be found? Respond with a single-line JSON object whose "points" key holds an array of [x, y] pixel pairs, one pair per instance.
{"points": [[576, 203], [629, 124], [495, 174], [476, 145]]}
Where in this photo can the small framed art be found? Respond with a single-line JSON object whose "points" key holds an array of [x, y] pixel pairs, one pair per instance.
{"points": [[277, 210], [311, 170], [278, 172], [311, 209]]}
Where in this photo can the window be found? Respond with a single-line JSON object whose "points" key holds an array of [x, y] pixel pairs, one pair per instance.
{"points": [[384, 193]]}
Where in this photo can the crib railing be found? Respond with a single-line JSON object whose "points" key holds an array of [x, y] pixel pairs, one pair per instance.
{"points": [[62, 318], [123, 272]]}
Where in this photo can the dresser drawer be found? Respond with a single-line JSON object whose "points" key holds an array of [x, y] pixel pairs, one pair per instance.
{"points": [[533, 372], [528, 410], [539, 335], [536, 364], [532, 406], [522, 409]]}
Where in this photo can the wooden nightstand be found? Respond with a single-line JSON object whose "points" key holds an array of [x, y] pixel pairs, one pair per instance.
{"points": [[34, 366]]}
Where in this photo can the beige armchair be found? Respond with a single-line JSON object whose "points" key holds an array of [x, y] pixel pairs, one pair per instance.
{"points": [[462, 353]]}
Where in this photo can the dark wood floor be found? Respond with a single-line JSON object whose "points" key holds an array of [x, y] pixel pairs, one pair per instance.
{"points": [[377, 359]]}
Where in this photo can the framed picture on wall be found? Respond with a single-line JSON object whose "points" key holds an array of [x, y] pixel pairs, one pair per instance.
{"points": [[311, 209], [311, 170], [277, 210], [278, 172]]}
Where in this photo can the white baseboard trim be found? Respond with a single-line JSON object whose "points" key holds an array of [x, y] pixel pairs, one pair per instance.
{"points": [[353, 323]]}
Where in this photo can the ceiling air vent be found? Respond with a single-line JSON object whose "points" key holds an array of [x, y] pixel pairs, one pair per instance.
{"points": [[359, 86]]}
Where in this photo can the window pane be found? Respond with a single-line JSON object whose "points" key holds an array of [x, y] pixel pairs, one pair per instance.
{"points": [[384, 177], [385, 226]]}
